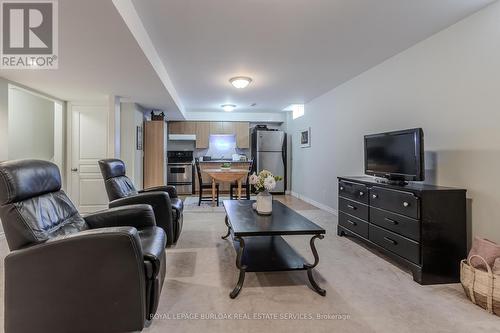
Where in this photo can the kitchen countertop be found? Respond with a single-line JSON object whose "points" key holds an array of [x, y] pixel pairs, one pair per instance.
{"points": [[225, 161]]}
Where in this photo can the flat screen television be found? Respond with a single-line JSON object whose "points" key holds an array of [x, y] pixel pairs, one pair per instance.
{"points": [[397, 156]]}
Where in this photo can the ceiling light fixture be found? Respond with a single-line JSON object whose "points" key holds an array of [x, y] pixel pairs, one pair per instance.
{"points": [[228, 107], [240, 82]]}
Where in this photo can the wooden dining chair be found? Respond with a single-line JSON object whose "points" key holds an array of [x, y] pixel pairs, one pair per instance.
{"points": [[204, 186], [246, 186]]}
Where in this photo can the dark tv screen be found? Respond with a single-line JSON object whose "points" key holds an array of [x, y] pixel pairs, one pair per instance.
{"points": [[396, 155]]}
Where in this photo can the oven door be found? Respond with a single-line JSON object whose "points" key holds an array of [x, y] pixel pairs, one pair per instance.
{"points": [[179, 173], [183, 188]]}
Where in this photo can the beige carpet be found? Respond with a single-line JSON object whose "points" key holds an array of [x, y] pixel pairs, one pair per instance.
{"points": [[365, 293]]}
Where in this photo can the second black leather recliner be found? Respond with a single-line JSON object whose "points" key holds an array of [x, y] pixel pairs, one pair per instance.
{"points": [[167, 206]]}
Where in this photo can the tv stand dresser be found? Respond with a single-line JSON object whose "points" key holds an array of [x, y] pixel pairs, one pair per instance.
{"points": [[420, 226]]}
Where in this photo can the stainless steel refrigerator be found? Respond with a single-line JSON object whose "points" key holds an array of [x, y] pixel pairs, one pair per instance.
{"points": [[269, 153]]}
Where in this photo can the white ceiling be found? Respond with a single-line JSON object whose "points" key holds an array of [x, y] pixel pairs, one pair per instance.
{"points": [[98, 57], [295, 50]]}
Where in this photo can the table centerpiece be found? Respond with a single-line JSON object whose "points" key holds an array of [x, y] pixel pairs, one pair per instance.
{"points": [[264, 182]]}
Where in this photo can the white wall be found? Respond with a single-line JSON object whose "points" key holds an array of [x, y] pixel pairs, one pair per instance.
{"points": [[31, 126], [131, 116], [25, 125], [449, 85]]}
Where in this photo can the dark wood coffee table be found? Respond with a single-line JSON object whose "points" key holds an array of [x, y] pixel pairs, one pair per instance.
{"points": [[258, 242]]}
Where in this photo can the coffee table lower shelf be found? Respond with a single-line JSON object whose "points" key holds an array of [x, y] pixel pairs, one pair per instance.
{"points": [[271, 254], [268, 254]]}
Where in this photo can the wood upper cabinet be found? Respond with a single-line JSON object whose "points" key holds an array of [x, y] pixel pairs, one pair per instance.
{"points": [[202, 134], [222, 127], [189, 127], [203, 129], [182, 127], [242, 130], [228, 127], [238, 128], [216, 127], [175, 127]]}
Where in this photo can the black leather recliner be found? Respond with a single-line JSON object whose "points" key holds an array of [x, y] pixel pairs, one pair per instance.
{"points": [[168, 207], [67, 273]]}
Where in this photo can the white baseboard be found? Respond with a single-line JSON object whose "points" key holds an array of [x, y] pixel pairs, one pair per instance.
{"points": [[315, 203]]}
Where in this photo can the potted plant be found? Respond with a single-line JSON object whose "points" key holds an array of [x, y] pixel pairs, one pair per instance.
{"points": [[264, 182], [225, 166]]}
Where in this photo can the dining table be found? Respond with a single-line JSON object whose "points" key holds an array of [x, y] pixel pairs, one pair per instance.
{"points": [[226, 175]]}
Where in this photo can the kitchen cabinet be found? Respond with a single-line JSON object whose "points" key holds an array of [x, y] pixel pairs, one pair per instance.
{"points": [[182, 127], [228, 127], [242, 131], [216, 127], [189, 127], [202, 134], [203, 130], [154, 153], [222, 127], [175, 127]]}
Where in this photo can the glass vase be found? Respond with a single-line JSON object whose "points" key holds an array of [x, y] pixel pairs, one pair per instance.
{"points": [[264, 203]]}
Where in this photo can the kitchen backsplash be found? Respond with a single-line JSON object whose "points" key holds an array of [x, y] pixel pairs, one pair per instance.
{"points": [[190, 145]]}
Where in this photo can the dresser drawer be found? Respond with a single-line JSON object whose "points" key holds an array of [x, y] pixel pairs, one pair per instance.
{"points": [[353, 191], [354, 224], [400, 224], [353, 208], [404, 203], [402, 246]]}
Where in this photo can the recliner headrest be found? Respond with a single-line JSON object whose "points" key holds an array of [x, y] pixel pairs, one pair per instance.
{"points": [[24, 179], [112, 167]]}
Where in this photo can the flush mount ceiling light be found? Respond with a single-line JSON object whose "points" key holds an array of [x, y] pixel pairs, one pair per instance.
{"points": [[240, 82], [228, 107]]}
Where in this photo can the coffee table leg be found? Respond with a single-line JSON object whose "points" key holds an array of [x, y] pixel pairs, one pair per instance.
{"points": [[228, 228], [310, 267], [241, 267]]}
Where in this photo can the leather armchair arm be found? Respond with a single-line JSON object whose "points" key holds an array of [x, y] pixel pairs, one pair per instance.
{"points": [[171, 190], [138, 216], [162, 207], [85, 273]]}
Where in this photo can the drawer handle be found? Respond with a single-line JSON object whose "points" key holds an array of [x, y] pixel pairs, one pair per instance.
{"points": [[361, 193], [341, 188], [392, 241], [374, 196], [352, 207], [392, 221], [352, 222], [406, 204]]}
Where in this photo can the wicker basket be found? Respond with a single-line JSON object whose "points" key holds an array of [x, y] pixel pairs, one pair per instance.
{"points": [[481, 287]]}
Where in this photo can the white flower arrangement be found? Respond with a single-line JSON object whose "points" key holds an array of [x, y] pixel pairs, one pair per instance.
{"points": [[264, 181]]}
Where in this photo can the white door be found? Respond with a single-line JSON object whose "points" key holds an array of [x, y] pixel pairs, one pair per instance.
{"points": [[89, 143]]}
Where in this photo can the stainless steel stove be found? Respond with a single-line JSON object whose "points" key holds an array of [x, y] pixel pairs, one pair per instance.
{"points": [[180, 170]]}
